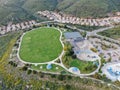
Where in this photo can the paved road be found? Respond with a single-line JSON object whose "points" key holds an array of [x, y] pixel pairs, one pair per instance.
{"points": [[88, 34], [60, 57], [99, 30], [94, 33], [81, 30], [61, 64]]}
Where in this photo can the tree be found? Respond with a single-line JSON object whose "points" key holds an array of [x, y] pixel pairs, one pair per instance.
{"points": [[68, 87], [53, 76], [29, 71], [34, 72], [94, 50], [84, 34], [74, 56], [24, 68], [97, 76], [41, 75], [61, 77], [69, 77]]}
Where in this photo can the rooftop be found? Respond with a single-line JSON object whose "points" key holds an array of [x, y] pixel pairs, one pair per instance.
{"points": [[72, 35]]}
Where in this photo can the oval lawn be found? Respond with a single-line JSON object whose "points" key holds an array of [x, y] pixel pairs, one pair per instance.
{"points": [[40, 45]]}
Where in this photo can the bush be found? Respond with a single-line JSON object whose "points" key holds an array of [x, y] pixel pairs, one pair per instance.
{"points": [[53, 76], [42, 75], [61, 77], [29, 71], [24, 68], [34, 72], [69, 77], [74, 56], [58, 61], [94, 50]]}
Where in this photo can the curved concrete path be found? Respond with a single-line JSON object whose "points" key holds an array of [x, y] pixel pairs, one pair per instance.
{"points": [[44, 62], [59, 57]]}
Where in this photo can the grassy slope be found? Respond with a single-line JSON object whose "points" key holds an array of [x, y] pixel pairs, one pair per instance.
{"points": [[4, 41], [84, 66], [53, 69], [89, 7], [41, 45], [112, 33], [20, 10], [36, 5], [76, 7], [11, 10]]}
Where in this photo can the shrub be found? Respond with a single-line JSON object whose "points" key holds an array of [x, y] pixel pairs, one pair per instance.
{"points": [[29, 71]]}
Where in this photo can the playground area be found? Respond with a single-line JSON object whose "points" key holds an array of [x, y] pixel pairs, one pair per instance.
{"points": [[74, 70], [112, 71]]}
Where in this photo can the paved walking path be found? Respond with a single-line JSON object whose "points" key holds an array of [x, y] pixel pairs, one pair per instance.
{"points": [[45, 62], [60, 57]]}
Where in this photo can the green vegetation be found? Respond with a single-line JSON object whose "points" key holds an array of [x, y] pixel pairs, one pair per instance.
{"points": [[4, 41], [36, 5], [89, 8], [40, 45], [43, 67], [84, 66], [70, 60], [16, 79], [94, 50], [21, 10], [86, 28], [112, 33], [117, 83]]}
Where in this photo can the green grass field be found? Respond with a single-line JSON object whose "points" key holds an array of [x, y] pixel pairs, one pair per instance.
{"points": [[40, 45], [84, 66]]}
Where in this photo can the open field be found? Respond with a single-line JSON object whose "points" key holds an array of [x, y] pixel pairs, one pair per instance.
{"points": [[85, 67], [112, 33], [40, 45]]}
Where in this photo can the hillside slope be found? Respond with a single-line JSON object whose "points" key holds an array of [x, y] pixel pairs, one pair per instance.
{"points": [[11, 10], [36, 5], [20, 10], [87, 8]]}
